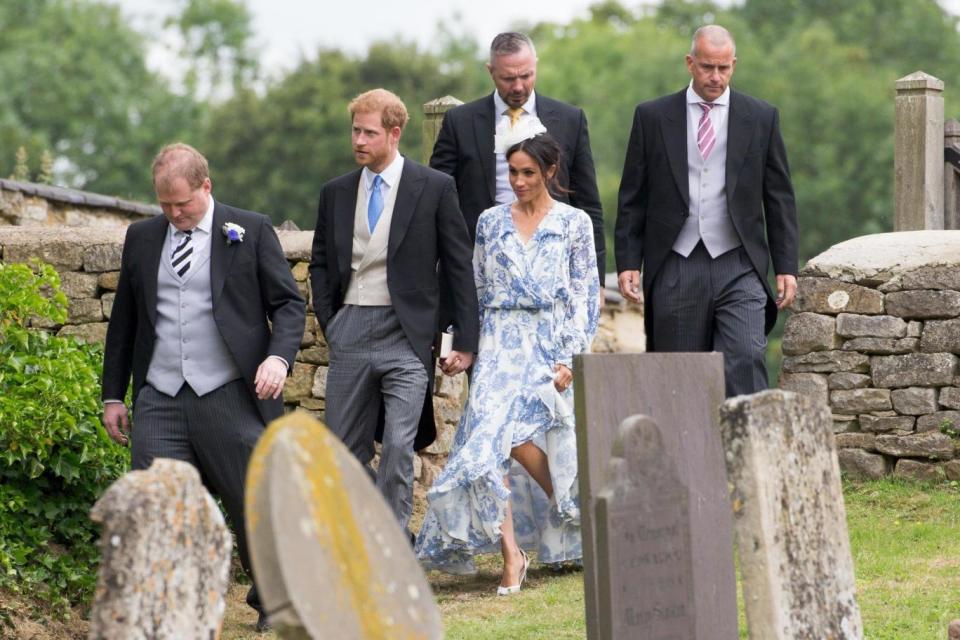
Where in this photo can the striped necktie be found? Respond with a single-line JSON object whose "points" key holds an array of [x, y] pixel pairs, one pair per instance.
{"points": [[706, 137], [181, 255]]}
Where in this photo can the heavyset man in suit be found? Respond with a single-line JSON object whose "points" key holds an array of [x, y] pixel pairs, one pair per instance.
{"points": [[197, 288], [381, 232], [705, 203], [464, 146]]}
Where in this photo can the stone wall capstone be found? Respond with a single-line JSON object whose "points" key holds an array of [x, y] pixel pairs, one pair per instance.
{"points": [[876, 334], [29, 204]]}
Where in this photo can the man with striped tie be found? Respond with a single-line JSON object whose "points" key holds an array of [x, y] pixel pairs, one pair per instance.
{"points": [[197, 288], [705, 204]]}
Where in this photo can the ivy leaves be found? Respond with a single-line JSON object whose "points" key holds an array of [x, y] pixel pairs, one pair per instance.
{"points": [[55, 459]]}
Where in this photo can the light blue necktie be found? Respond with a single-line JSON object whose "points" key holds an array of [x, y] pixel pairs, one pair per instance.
{"points": [[375, 206]]}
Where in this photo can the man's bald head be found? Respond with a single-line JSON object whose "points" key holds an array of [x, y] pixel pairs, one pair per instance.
{"points": [[712, 58], [714, 35]]}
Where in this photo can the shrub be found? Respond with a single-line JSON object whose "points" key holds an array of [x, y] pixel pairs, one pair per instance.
{"points": [[55, 458]]}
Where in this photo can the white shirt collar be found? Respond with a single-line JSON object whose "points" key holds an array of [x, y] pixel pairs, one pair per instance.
{"points": [[500, 107], [390, 175], [206, 222], [693, 98]]}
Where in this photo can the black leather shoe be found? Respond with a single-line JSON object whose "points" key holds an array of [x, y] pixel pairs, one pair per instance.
{"points": [[263, 625]]}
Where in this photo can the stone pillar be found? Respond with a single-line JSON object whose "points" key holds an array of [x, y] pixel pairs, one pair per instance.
{"points": [[918, 155], [433, 113], [951, 176]]}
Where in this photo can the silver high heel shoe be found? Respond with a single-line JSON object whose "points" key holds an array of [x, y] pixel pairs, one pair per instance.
{"points": [[505, 591]]}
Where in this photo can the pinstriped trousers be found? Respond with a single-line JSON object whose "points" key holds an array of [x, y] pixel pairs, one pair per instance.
{"points": [[215, 433], [714, 304], [374, 367]]}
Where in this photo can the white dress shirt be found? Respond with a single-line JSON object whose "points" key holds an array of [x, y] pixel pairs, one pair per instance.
{"points": [[504, 192], [199, 240]]}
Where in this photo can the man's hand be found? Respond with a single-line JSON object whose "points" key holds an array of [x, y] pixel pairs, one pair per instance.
{"points": [[271, 375], [456, 362], [786, 290], [629, 282], [564, 377], [116, 422]]}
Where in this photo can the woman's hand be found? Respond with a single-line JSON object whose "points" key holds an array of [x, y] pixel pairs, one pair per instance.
{"points": [[564, 377]]}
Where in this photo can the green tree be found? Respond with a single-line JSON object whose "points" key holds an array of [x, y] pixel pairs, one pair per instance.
{"points": [[76, 84], [272, 152], [217, 50]]}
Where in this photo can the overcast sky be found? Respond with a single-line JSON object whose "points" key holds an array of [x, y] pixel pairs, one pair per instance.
{"points": [[285, 29]]}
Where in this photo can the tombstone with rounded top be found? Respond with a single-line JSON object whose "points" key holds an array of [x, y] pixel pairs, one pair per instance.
{"points": [[327, 551], [645, 568]]}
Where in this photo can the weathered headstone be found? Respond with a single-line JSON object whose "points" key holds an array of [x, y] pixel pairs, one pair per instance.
{"points": [[165, 552], [795, 561], [327, 551], [645, 568], [953, 632], [682, 392]]}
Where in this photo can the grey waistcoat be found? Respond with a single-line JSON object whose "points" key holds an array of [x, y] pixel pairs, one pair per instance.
{"points": [[709, 219], [189, 348]]}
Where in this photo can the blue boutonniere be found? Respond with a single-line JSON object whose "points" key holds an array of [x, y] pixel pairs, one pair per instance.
{"points": [[233, 232]]}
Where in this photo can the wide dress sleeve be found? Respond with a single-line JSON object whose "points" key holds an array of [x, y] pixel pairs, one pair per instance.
{"points": [[581, 315]]}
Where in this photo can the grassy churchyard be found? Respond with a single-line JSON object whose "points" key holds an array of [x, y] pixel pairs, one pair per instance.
{"points": [[906, 545]]}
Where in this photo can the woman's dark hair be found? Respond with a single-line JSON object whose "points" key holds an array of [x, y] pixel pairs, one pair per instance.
{"points": [[545, 151]]}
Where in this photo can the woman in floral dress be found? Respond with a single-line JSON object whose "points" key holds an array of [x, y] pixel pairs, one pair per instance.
{"points": [[535, 270]]}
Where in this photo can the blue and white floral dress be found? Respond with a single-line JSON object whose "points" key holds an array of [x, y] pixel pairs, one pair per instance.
{"points": [[539, 306]]}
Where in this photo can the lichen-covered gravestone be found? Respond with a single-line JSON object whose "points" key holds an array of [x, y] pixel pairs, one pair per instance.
{"points": [[165, 551], [789, 518], [329, 557]]}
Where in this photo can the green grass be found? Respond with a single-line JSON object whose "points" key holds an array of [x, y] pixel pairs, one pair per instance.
{"points": [[905, 540], [906, 547], [549, 605]]}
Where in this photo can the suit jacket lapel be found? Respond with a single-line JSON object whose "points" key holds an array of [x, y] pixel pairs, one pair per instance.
{"points": [[673, 126], [408, 194], [155, 244], [549, 116], [344, 212], [739, 131], [221, 253], [484, 129]]}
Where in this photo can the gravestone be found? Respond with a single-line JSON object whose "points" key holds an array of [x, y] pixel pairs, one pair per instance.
{"points": [[327, 551], [645, 567], [165, 557], [682, 392], [795, 561]]}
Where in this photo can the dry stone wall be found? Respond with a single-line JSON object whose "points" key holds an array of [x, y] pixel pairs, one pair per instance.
{"points": [[875, 335], [88, 261]]}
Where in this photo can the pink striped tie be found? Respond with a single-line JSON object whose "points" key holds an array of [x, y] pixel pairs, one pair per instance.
{"points": [[706, 137]]}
